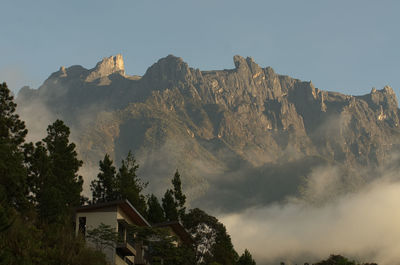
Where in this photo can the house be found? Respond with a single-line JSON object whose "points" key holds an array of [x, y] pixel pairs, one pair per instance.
{"points": [[120, 215], [176, 229]]}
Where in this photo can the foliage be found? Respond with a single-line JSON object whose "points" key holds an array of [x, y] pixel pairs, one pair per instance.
{"points": [[246, 259], [339, 260], [12, 138], [28, 243], [162, 246], [38, 177], [104, 188], [174, 200], [212, 242], [155, 213], [129, 185], [125, 184], [53, 170], [103, 236], [170, 206], [180, 198]]}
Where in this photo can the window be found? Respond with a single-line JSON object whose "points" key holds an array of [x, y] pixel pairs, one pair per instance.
{"points": [[82, 225], [121, 231]]}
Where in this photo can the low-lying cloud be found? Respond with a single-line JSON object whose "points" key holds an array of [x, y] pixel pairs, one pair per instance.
{"points": [[363, 225]]}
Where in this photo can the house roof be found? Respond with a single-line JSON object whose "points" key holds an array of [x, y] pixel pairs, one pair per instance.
{"points": [[178, 228], [125, 205]]}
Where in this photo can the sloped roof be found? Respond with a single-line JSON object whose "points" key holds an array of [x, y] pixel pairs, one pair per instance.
{"points": [[125, 205], [178, 228]]}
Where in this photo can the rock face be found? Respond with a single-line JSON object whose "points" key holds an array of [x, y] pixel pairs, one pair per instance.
{"points": [[246, 134], [106, 67]]}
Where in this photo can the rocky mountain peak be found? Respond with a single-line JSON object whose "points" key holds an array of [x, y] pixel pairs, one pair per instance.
{"points": [[106, 67], [170, 68], [388, 90], [384, 97], [248, 64]]}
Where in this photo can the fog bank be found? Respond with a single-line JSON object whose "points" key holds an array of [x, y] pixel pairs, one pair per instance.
{"points": [[362, 225]]}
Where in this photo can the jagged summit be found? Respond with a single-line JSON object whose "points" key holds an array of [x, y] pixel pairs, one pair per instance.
{"points": [[106, 67], [167, 68], [242, 64]]}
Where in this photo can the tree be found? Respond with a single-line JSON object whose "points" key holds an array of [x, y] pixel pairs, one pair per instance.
{"points": [[246, 259], [155, 213], [174, 200], [39, 169], [104, 188], [170, 206], [129, 185], [103, 236], [180, 198], [162, 245], [336, 260], [61, 187], [212, 242], [12, 138]]}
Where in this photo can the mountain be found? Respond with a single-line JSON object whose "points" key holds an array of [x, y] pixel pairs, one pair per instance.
{"points": [[240, 137]]}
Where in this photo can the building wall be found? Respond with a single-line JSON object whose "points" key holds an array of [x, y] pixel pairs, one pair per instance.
{"points": [[119, 261], [138, 246], [93, 220], [122, 215]]}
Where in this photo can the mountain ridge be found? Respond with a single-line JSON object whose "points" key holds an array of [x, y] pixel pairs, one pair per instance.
{"points": [[209, 122]]}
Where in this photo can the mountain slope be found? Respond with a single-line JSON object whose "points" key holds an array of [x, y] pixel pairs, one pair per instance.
{"points": [[243, 136]]}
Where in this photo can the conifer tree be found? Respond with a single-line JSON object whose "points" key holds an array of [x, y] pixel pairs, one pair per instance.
{"points": [[246, 259], [129, 185], [170, 206], [174, 200], [104, 188], [61, 187], [179, 197], [12, 138], [155, 213]]}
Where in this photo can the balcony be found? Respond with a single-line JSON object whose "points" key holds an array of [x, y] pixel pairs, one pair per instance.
{"points": [[125, 246], [126, 249]]}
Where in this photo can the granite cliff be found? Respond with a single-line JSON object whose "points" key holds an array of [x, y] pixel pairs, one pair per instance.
{"points": [[243, 136]]}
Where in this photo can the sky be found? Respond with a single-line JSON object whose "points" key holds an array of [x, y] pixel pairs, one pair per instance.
{"points": [[345, 46]]}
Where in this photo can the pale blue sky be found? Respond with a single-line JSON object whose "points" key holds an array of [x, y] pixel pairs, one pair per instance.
{"points": [[347, 46]]}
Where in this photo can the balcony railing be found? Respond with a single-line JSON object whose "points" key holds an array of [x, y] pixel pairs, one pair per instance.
{"points": [[126, 249]]}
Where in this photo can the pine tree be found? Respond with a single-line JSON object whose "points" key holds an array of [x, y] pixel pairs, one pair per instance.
{"points": [[129, 185], [39, 169], [104, 188], [60, 188], [179, 197], [246, 259], [170, 206], [12, 137], [155, 213]]}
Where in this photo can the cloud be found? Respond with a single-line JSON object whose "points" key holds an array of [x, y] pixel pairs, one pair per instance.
{"points": [[15, 77], [37, 118], [363, 225]]}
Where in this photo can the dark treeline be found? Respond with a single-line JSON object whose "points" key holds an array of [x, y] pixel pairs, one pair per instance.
{"points": [[40, 188]]}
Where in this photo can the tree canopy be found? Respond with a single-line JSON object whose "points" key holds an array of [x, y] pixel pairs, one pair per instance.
{"points": [[246, 259], [13, 175], [104, 188]]}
